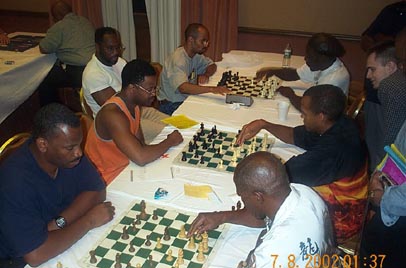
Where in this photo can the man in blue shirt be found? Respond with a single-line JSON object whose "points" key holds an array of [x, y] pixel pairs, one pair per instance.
{"points": [[50, 194]]}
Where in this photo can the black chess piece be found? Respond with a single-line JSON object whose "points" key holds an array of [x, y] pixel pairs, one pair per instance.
{"points": [[196, 155], [184, 158], [166, 234], [204, 145], [92, 256], [202, 160], [148, 241], [220, 136], [132, 248], [154, 215], [214, 130], [190, 147], [125, 235], [238, 205], [202, 126]]}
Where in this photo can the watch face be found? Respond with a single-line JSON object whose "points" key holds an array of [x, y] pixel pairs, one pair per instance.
{"points": [[60, 222]]}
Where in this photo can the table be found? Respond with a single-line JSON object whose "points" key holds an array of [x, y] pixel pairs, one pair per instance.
{"points": [[212, 110], [20, 75]]}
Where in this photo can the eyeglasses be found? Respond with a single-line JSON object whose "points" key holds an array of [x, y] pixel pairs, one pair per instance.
{"points": [[152, 91]]}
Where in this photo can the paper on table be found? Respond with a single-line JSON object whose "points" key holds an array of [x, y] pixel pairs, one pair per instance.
{"points": [[180, 121]]}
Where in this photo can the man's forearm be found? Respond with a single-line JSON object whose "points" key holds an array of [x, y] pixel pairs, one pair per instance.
{"points": [[283, 133], [210, 70], [82, 204]]}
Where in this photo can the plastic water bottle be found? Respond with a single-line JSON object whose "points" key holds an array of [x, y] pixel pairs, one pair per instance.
{"points": [[287, 53]]}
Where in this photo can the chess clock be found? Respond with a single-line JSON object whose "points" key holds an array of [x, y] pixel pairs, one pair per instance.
{"points": [[61, 222]]}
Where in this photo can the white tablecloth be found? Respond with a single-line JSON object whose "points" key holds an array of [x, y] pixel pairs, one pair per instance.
{"points": [[20, 79], [211, 110]]}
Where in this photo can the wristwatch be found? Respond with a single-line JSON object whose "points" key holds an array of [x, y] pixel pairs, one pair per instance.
{"points": [[61, 222]]}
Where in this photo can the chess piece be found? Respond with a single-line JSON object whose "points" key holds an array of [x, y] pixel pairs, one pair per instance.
{"points": [[150, 261], [148, 241], [202, 126], [204, 145], [180, 259], [198, 237], [232, 208], [184, 158], [129, 265], [220, 136], [200, 256], [166, 234], [238, 205], [221, 164], [202, 159], [92, 256], [138, 221], [134, 228], [125, 235], [118, 263], [158, 243], [143, 214], [59, 265], [132, 248], [191, 244], [190, 147], [155, 215], [169, 258], [182, 232]]}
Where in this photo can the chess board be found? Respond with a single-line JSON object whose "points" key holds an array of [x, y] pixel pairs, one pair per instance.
{"points": [[249, 86], [212, 157], [108, 247], [21, 43]]}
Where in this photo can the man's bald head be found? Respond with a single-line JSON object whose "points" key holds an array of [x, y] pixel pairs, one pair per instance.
{"points": [[261, 172], [60, 9]]}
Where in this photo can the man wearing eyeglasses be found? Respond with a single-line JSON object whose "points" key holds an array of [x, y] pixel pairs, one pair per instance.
{"points": [[116, 136], [186, 69]]}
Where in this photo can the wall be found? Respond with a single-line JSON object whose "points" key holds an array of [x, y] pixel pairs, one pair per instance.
{"points": [[26, 5], [348, 17]]}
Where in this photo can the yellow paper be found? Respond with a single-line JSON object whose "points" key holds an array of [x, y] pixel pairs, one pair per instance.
{"points": [[199, 191], [180, 121]]}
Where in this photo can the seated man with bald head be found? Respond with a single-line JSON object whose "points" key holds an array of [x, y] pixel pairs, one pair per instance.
{"points": [[281, 208], [323, 66], [335, 160], [71, 39]]}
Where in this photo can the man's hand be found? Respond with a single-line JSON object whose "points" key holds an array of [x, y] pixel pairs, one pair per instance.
{"points": [[262, 73], [249, 130], [205, 222], [219, 90], [286, 92], [376, 187], [175, 138], [203, 79], [4, 40], [100, 214]]}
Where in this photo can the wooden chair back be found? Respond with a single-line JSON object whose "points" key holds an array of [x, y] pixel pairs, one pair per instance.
{"points": [[12, 144], [85, 107]]}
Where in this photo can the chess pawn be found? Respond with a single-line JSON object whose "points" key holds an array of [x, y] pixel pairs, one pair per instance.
{"points": [[221, 164], [191, 244], [182, 232], [205, 245], [148, 241], [92, 256], [169, 258], [200, 256], [158, 243]]}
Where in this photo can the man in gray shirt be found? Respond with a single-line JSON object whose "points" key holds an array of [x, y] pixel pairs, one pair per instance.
{"points": [[71, 38]]}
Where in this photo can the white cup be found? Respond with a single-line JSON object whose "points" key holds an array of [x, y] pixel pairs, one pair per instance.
{"points": [[283, 108]]}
